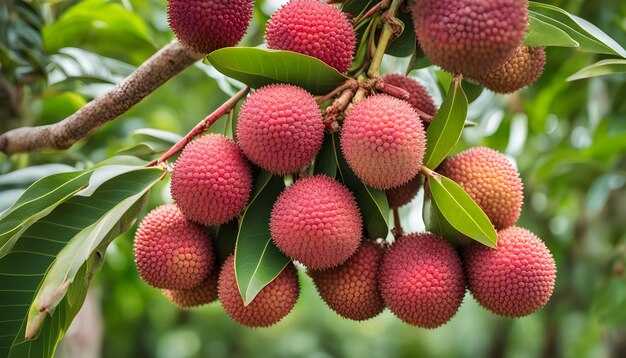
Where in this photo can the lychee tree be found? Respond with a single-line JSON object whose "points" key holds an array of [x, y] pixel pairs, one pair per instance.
{"points": [[317, 149]]}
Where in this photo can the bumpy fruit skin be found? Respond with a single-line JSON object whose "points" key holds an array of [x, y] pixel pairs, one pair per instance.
{"points": [[313, 28], [514, 280], [202, 294], [403, 194], [272, 304], [383, 141], [212, 180], [317, 222], [171, 252], [419, 98], [421, 280], [351, 289], [521, 70], [491, 180], [207, 25], [470, 36], [280, 128]]}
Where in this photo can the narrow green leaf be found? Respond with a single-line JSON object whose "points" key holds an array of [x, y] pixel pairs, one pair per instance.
{"points": [[225, 239], [600, 68], [325, 162], [436, 223], [156, 135], [27, 176], [446, 128], [356, 7], [141, 150], [258, 67], [541, 33]]}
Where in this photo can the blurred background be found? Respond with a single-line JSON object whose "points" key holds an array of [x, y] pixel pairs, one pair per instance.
{"points": [[568, 140]]}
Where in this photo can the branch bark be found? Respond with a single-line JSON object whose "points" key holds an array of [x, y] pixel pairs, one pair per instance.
{"points": [[163, 65]]}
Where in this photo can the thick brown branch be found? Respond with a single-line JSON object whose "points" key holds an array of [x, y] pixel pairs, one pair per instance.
{"points": [[163, 65]]}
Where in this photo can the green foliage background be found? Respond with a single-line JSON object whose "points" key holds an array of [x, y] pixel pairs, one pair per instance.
{"points": [[568, 139]]}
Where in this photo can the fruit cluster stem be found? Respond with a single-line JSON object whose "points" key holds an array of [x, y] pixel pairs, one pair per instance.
{"points": [[386, 35]]}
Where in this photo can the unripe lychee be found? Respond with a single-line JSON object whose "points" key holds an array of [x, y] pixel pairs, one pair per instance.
{"points": [[421, 280], [280, 128], [470, 36], [514, 280], [351, 289], [419, 98], [272, 303], [171, 252], [207, 25], [202, 294], [313, 28], [383, 141], [491, 180], [317, 222], [212, 180], [403, 194], [521, 70]]}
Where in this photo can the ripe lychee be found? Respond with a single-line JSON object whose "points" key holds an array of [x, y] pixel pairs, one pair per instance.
{"points": [[421, 280], [351, 289], [317, 222], [491, 180], [313, 28], [171, 252], [207, 25], [514, 280], [521, 70], [403, 194], [272, 303], [470, 36], [383, 141], [212, 180], [202, 294], [419, 98], [280, 128]]}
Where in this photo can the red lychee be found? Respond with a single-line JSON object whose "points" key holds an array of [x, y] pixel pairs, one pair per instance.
{"points": [[521, 70], [403, 194], [419, 98], [202, 294]]}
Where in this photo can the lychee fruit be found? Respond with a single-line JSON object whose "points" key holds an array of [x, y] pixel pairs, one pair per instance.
{"points": [[521, 70], [280, 128], [313, 28], [207, 25], [212, 180], [171, 252], [317, 222], [470, 36], [383, 141], [202, 294], [514, 280], [421, 280], [351, 289], [491, 180], [419, 98], [272, 303], [403, 194]]}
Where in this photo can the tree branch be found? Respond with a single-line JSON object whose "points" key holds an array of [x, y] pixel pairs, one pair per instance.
{"points": [[163, 65]]}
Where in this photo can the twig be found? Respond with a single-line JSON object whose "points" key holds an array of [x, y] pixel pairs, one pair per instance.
{"points": [[397, 224], [382, 5], [349, 83], [390, 29]]}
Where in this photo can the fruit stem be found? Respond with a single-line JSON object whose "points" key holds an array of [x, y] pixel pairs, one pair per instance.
{"points": [[429, 172], [382, 5], [202, 127], [349, 83], [385, 36], [397, 224]]}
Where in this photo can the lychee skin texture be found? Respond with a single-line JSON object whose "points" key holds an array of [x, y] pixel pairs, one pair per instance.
{"points": [[491, 180], [280, 128], [419, 98], [171, 252], [514, 280], [470, 36], [421, 280], [313, 28], [207, 25], [212, 180], [383, 141], [202, 294], [521, 70], [351, 289], [403, 194], [272, 304], [317, 222]]}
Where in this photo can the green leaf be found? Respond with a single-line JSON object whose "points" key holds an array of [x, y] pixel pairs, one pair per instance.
{"points": [[447, 125], [357, 7], [144, 150], [225, 239], [156, 135], [600, 68], [372, 202], [258, 67], [325, 162], [461, 211], [405, 44], [257, 261], [541, 33], [27, 176], [436, 223]]}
